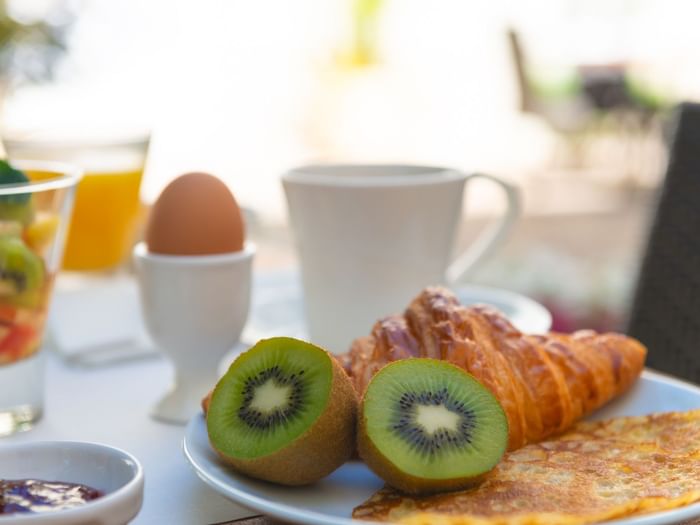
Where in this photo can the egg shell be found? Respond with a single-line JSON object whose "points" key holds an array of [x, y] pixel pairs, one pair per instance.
{"points": [[196, 214]]}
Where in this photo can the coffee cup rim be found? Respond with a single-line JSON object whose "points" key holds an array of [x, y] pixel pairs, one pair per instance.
{"points": [[320, 174]]}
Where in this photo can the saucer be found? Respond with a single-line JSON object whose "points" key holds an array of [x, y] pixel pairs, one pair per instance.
{"points": [[278, 309], [526, 314]]}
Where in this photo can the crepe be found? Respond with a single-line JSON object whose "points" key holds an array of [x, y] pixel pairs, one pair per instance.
{"points": [[597, 471]]}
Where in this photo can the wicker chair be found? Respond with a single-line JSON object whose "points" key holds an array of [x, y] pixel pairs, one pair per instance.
{"points": [[665, 313]]}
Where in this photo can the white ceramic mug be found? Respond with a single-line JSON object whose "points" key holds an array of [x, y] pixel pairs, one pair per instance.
{"points": [[370, 237]]}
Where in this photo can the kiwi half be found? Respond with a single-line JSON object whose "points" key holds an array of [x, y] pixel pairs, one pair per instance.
{"points": [[285, 411], [427, 426]]}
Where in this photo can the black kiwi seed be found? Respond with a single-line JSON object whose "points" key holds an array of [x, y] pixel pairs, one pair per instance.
{"points": [[419, 453], [420, 441], [295, 401]]}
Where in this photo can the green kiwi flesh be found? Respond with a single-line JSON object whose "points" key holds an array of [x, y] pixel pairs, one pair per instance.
{"points": [[427, 425], [285, 411], [21, 273]]}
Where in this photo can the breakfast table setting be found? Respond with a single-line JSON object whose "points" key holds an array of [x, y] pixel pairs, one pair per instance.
{"points": [[368, 382], [124, 378]]}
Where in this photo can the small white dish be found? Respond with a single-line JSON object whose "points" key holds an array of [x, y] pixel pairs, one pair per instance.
{"points": [[116, 473], [331, 500]]}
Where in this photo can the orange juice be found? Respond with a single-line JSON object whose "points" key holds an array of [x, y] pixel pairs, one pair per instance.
{"points": [[107, 206], [105, 217]]}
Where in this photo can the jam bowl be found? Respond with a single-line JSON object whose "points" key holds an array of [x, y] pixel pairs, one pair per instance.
{"points": [[68, 483]]}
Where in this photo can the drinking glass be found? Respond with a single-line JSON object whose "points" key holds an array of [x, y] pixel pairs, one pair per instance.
{"points": [[107, 205], [34, 218]]}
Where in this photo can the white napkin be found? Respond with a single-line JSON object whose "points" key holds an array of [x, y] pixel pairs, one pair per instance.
{"points": [[96, 320]]}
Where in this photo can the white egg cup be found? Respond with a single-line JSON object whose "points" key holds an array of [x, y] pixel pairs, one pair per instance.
{"points": [[195, 308]]}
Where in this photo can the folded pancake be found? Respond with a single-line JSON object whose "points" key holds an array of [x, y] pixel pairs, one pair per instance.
{"points": [[545, 382], [595, 472]]}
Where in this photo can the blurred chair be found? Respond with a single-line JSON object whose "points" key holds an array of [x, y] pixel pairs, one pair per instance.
{"points": [[596, 99], [665, 313], [567, 112]]}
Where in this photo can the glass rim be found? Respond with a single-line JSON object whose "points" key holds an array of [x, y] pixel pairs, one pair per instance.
{"points": [[142, 138], [67, 175]]}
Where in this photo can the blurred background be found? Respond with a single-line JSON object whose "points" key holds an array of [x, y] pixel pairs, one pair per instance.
{"points": [[568, 99]]}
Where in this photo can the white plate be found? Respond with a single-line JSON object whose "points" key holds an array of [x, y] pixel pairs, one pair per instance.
{"points": [[278, 307], [331, 501]]}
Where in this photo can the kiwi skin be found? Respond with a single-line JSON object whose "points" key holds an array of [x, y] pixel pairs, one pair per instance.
{"points": [[398, 479], [206, 400], [326, 445]]}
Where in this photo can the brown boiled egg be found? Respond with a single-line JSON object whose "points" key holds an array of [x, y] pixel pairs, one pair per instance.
{"points": [[196, 214]]}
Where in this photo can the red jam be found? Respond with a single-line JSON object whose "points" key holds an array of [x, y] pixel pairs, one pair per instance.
{"points": [[33, 495]]}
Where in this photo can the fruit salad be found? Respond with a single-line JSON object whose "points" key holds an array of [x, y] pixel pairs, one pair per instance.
{"points": [[26, 235]]}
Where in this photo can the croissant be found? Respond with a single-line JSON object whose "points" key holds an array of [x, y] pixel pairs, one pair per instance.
{"points": [[545, 383]]}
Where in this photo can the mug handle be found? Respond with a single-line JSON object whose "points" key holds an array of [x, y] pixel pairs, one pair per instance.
{"points": [[491, 237]]}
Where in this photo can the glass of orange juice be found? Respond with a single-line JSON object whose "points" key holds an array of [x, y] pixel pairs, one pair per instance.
{"points": [[107, 206]]}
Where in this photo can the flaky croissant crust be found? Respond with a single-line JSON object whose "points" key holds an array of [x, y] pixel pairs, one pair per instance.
{"points": [[545, 383]]}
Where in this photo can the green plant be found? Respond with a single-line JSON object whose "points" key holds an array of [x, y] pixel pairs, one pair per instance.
{"points": [[30, 46]]}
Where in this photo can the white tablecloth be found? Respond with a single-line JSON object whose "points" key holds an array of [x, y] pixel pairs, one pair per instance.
{"points": [[111, 405], [110, 402]]}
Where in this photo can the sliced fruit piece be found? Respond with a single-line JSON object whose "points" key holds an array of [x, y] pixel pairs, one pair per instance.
{"points": [[426, 426], [11, 175], [21, 273], [39, 234], [285, 411], [8, 314], [10, 229], [17, 207], [21, 341]]}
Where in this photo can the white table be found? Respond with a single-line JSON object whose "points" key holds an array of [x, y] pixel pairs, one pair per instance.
{"points": [[111, 405]]}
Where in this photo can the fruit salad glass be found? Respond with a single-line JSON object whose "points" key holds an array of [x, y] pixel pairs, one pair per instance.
{"points": [[36, 201]]}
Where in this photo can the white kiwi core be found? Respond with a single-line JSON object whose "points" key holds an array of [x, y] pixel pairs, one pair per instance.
{"points": [[270, 396], [435, 417]]}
